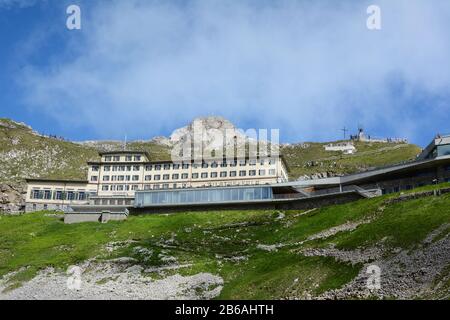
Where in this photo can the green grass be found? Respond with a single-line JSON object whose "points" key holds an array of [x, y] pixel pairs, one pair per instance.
{"points": [[213, 242], [368, 155]]}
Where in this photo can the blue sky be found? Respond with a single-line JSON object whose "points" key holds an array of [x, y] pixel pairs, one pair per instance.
{"points": [[145, 68]]}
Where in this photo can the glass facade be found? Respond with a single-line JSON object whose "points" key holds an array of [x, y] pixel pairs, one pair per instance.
{"points": [[443, 150], [199, 196]]}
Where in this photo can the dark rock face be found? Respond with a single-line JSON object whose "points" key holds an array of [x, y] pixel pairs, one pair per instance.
{"points": [[12, 198]]}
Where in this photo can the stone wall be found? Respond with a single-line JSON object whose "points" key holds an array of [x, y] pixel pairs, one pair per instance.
{"points": [[94, 217]]}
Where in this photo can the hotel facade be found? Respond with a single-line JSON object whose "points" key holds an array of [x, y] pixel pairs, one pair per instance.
{"points": [[117, 176]]}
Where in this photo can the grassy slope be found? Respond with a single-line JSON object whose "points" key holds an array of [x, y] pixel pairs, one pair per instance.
{"points": [[24, 154], [210, 241], [368, 155]]}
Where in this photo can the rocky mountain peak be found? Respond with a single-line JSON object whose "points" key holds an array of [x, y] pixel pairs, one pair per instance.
{"points": [[215, 132]]}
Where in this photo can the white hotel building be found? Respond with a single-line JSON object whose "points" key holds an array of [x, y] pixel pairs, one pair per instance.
{"points": [[114, 179]]}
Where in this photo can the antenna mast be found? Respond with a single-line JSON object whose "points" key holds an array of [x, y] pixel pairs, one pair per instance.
{"points": [[345, 131]]}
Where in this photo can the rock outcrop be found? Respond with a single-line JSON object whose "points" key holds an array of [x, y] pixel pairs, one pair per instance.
{"points": [[12, 198]]}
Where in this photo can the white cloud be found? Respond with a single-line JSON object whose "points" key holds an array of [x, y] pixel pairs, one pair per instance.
{"points": [[307, 68]]}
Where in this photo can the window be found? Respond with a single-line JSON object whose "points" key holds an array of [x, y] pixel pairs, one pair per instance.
{"points": [[262, 172], [252, 162], [166, 176], [137, 158], [262, 162], [45, 206], [116, 158], [119, 187], [233, 164], [94, 178], [148, 178], [252, 173], [128, 158], [121, 168], [185, 166], [271, 172], [242, 163], [81, 195], [223, 174], [157, 167], [443, 150], [214, 165], [167, 166], [136, 168], [105, 178], [184, 176], [114, 168], [147, 187], [157, 177], [94, 168], [59, 195], [271, 161], [121, 178], [195, 165], [105, 188], [134, 187], [107, 168], [108, 158], [242, 173], [148, 167], [175, 176], [232, 173], [204, 165], [204, 175], [127, 178], [176, 166], [128, 168], [213, 174], [224, 164], [195, 175], [135, 178], [47, 194], [35, 194], [70, 195]]}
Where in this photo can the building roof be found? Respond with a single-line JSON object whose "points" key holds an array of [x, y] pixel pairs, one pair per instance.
{"points": [[102, 153]]}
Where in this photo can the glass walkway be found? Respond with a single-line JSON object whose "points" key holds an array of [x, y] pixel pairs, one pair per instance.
{"points": [[202, 196]]}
